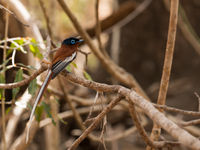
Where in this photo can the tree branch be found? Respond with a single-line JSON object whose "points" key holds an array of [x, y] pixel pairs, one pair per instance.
{"points": [[180, 134], [116, 71], [167, 62], [25, 81]]}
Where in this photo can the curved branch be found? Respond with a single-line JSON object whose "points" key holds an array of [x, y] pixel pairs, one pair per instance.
{"points": [[159, 118], [25, 81]]}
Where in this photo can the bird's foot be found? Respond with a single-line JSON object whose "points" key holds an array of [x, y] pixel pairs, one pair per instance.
{"points": [[46, 62]]}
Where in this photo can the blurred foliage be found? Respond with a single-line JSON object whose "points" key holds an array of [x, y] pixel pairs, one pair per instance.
{"points": [[87, 76], [34, 49], [18, 77], [48, 111], [2, 80], [32, 87]]}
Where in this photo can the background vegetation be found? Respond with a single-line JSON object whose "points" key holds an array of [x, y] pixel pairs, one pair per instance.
{"points": [[141, 57]]}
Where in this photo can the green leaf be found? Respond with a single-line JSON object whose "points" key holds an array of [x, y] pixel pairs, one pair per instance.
{"points": [[20, 42], [34, 49], [87, 76], [5, 63], [32, 87], [9, 51], [18, 78], [48, 111], [74, 64], [2, 80], [38, 112], [69, 69]]}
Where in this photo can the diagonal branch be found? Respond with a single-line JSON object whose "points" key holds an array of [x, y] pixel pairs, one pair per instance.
{"points": [[116, 71], [95, 123]]}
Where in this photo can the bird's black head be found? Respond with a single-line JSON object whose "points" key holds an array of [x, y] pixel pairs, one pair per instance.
{"points": [[71, 41]]}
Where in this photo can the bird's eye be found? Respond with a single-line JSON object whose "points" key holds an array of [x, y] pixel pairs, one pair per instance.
{"points": [[73, 41]]}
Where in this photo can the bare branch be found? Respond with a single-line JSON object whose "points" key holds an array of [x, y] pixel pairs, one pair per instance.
{"points": [[95, 123], [10, 12], [198, 97], [4, 145], [25, 81], [46, 18], [139, 126], [180, 134], [172, 109], [190, 123], [167, 62], [98, 29], [116, 71]]}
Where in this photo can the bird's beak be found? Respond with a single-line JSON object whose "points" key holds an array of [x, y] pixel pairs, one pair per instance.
{"points": [[80, 40]]}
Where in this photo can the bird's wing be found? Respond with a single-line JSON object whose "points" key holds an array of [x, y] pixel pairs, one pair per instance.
{"points": [[60, 65]]}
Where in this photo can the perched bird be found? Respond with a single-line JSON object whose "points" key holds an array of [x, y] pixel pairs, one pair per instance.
{"points": [[63, 57]]}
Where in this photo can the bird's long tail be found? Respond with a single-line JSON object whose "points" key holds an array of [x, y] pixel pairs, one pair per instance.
{"points": [[38, 98]]}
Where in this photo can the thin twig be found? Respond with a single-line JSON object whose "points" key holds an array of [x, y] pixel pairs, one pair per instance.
{"points": [[13, 57], [186, 28], [92, 108], [198, 97], [167, 63], [85, 54], [69, 114], [190, 123], [172, 109], [98, 28], [188, 31], [75, 113], [115, 39], [103, 131], [3, 92], [141, 7], [10, 12], [46, 18], [139, 126], [95, 123]]}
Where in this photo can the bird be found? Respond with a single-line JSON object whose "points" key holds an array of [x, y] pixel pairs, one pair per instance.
{"points": [[62, 58]]}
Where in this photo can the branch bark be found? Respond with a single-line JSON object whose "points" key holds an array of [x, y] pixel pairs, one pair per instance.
{"points": [[116, 71], [159, 118], [167, 63]]}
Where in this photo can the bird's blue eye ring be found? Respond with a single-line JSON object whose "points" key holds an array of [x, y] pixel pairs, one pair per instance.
{"points": [[73, 41]]}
